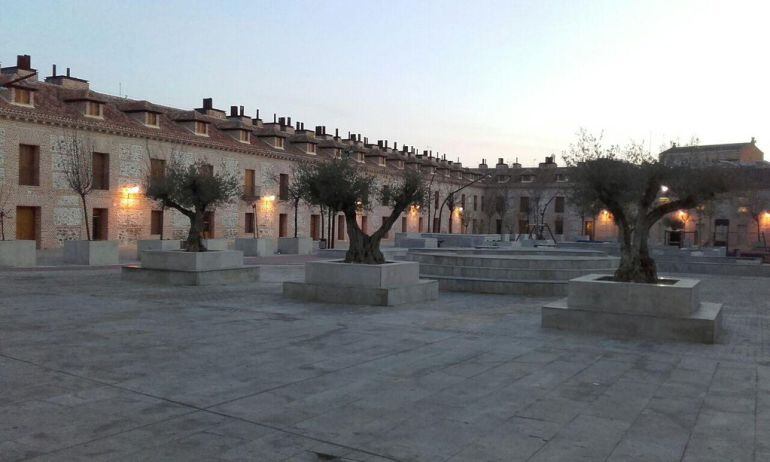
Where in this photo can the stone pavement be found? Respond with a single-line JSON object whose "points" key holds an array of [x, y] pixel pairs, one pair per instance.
{"points": [[92, 368]]}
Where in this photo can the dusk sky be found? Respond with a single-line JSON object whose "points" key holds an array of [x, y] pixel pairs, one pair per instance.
{"points": [[481, 79]]}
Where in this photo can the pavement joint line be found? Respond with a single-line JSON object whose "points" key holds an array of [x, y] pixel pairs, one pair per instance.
{"points": [[194, 409], [700, 408]]}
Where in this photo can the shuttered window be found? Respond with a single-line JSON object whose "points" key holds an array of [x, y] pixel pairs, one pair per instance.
{"points": [[248, 183], [29, 165], [156, 222], [101, 171]]}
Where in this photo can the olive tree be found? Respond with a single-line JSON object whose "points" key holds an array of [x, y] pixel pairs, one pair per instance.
{"points": [[193, 190], [629, 183], [338, 184]]}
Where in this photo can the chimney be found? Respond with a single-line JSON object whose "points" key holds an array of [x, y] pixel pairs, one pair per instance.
{"points": [[337, 133], [379, 143], [288, 121], [233, 111], [395, 146], [282, 121], [24, 62], [68, 72], [274, 121], [258, 115], [240, 113], [53, 71], [753, 140], [318, 130], [208, 103]]}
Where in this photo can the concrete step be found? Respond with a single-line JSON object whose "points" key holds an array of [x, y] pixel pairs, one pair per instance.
{"points": [[517, 262], [532, 288], [507, 274]]}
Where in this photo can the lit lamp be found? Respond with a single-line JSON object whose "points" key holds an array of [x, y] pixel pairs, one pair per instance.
{"points": [[129, 195]]}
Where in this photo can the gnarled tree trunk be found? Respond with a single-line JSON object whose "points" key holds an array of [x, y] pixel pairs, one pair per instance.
{"points": [[363, 249], [636, 265], [194, 242]]}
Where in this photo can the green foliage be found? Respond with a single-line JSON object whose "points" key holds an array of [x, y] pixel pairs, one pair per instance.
{"points": [[194, 186]]}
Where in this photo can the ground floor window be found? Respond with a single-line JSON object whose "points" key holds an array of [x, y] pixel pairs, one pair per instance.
{"points": [[248, 222], [99, 224], [282, 223], [156, 222]]}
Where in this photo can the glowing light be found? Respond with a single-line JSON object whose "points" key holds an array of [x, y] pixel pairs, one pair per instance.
{"points": [[743, 209], [269, 198], [663, 189], [129, 193], [683, 215], [605, 215]]}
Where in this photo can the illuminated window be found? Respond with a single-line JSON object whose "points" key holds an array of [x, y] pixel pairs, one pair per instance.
{"points": [[279, 143]]}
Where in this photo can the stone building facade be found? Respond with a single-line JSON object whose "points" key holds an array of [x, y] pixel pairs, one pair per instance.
{"points": [[128, 135]]}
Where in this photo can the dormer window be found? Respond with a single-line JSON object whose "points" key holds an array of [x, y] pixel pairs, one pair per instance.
{"points": [[279, 142], [151, 119], [561, 178], [360, 157], [381, 161], [94, 109], [527, 178], [338, 153], [201, 128], [400, 164], [311, 148], [22, 97], [244, 136]]}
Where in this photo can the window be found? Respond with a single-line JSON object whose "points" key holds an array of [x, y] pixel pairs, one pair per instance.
{"points": [[201, 128], [482, 203], [558, 226], [99, 224], [338, 153], [475, 202], [207, 169], [283, 187], [94, 109], [524, 204], [315, 227], [101, 171], [420, 223], [282, 223], [558, 206], [29, 165], [435, 200], [523, 226], [22, 96], [561, 178], [279, 143], [311, 148], [249, 223], [360, 157], [208, 225], [156, 222], [527, 178], [157, 168], [151, 119], [243, 136], [341, 227], [381, 161], [403, 224], [249, 189]]}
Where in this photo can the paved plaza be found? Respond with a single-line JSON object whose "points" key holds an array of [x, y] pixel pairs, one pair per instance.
{"points": [[93, 368]]}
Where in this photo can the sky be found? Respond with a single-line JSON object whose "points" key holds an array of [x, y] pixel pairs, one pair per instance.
{"points": [[470, 79]]}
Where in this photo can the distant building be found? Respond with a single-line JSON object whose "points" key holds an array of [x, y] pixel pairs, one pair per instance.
{"points": [[733, 153]]}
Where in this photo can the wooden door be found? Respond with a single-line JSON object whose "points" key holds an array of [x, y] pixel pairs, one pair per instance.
{"points": [[99, 225], [282, 225], [341, 227], [208, 225], [315, 226], [26, 224]]}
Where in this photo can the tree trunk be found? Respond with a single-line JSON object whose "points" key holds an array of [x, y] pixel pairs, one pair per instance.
{"points": [[363, 249], [85, 215], [636, 265], [194, 241], [296, 211], [2, 225]]}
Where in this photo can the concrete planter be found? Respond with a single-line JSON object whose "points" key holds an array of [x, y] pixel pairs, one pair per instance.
{"points": [[157, 244], [178, 260], [93, 253], [215, 244], [18, 253], [177, 267], [295, 245], [256, 247], [670, 310], [391, 283]]}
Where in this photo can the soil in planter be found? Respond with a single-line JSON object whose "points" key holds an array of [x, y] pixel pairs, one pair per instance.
{"points": [[665, 282]]}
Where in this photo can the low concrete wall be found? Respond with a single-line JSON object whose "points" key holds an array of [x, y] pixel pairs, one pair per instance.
{"points": [[178, 260], [256, 247], [94, 253], [414, 241], [337, 273], [245, 274], [18, 253], [295, 245]]}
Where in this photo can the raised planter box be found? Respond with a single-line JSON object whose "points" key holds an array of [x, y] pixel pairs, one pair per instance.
{"points": [[93, 253], [176, 267], [215, 244], [670, 310], [157, 244], [295, 245], [18, 253], [392, 283], [256, 247]]}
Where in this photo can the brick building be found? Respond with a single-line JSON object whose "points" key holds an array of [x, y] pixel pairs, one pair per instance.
{"points": [[130, 138]]}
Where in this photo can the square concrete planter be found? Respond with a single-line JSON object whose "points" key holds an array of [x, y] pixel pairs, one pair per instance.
{"points": [[18, 253], [177, 267], [392, 283], [670, 310], [256, 247], [93, 253], [295, 245], [157, 244], [215, 244]]}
